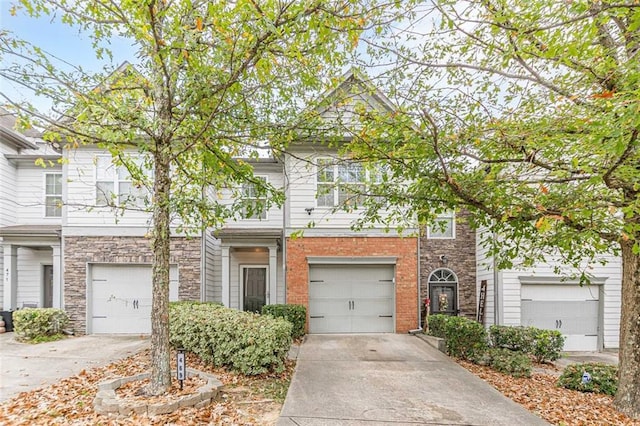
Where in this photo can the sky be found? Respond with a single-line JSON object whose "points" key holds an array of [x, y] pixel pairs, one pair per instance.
{"points": [[55, 37]]}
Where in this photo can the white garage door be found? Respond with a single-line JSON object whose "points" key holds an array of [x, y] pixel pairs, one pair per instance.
{"points": [[351, 299], [570, 309], [121, 298]]}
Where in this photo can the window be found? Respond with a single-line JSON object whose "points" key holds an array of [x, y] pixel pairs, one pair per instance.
{"points": [[53, 195], [112, 180], [343, 182], [443, 227], [254, 201]]}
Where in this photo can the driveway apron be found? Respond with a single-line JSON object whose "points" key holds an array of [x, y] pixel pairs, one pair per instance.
{"points": [[25, 366], [390, 379]]}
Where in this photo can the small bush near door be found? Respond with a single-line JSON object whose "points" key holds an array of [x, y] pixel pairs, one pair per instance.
{"points": [[295, 314], [465, 338], [39, 324], [246, 342], [590, 377]]}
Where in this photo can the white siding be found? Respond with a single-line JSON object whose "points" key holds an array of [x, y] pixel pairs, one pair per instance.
{"points": [[31, 194], [213, 277], [274, 175], [301, 196], [1, 280], [8, 205], [80, 180], [485, 271], [30, 275]]}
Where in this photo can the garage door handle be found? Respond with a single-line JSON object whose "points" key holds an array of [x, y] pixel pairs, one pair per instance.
{"points": [[385, 316], [99, 316], [316, 316]]}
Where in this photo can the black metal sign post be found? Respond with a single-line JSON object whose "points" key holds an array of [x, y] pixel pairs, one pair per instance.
{"points": [[181, 366]]}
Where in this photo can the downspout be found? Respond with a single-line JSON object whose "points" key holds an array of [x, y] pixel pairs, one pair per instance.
{"points": [[496, 288], [285, 207], [419, 282], [203, 244]]}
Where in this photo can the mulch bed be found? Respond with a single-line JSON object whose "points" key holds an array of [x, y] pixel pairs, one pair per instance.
{"points": [[556, 405], [70, 401]]}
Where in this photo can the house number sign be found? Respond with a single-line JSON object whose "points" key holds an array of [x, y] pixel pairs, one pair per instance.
{"points": [[181, 367]]}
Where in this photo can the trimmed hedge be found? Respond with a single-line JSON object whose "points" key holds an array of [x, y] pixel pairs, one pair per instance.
{"points": [[503, 360], [604, 378], [35, 323], [295, 314], [465, 338], [543, 345], [246, 342]]}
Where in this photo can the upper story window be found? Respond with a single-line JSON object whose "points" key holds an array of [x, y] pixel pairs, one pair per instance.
{"points": [[53, 195], [115, 185], [254, 202], [342, 182], [444, 226]]}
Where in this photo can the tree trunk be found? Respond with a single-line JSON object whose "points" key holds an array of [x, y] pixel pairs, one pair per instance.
{"points": [[627, 398], [160, 350]]}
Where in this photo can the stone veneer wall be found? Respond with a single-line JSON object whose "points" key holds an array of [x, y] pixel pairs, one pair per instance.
{"points": [[461, 255], [78, 251], [405, 249]]}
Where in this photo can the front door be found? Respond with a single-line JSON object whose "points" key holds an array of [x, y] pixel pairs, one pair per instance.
{"points": [[47, 286], [254, 291]]}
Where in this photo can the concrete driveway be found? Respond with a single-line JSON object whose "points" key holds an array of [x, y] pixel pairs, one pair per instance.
{"points": [[24, 366], [390, 379]]}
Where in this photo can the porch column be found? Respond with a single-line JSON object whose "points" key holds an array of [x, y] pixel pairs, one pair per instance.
{"points": [[225, 276], [273, 274], [10, 289], [57, 277]]}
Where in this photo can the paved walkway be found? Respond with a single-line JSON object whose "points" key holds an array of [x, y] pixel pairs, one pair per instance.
{"points": [[390, 379], [24, 366]]}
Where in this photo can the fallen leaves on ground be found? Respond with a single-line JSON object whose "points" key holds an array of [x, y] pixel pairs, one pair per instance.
{"points": [[559, 406], [243, 400]]}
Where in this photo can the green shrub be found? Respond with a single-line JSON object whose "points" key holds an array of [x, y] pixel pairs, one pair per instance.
{"points": [[547, 344], [33, 324], [514, 338], [437, 324], [604, 378], [543, 345], [517, 364], [465, 338], [244, 341], [295, 314]]}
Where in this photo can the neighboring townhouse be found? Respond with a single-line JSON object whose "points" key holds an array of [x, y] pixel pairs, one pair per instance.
{"points": [[107, 250], [30, 219]]}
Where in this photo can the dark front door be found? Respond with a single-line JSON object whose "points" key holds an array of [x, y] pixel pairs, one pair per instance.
{"points": [[443, 299], [47, 286], [254, 288]]}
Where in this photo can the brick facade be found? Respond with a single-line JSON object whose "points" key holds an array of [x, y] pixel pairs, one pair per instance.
{"points": [[405, 249], [461, 259], [78, 251]]}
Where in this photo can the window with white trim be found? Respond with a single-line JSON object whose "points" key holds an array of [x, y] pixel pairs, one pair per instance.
{"points": [[341, 182], [116, 186], [444, 226], [53, 195], [254, 202]]}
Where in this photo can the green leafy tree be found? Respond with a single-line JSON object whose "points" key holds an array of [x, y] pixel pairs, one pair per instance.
{"points": [[211, 81], [526, 114]]}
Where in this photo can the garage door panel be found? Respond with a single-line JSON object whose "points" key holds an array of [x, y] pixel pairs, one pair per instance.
{"points": [[121, 298], [373, 324], [351, 299], [330, 324], [330, 306], [570, 309]]}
